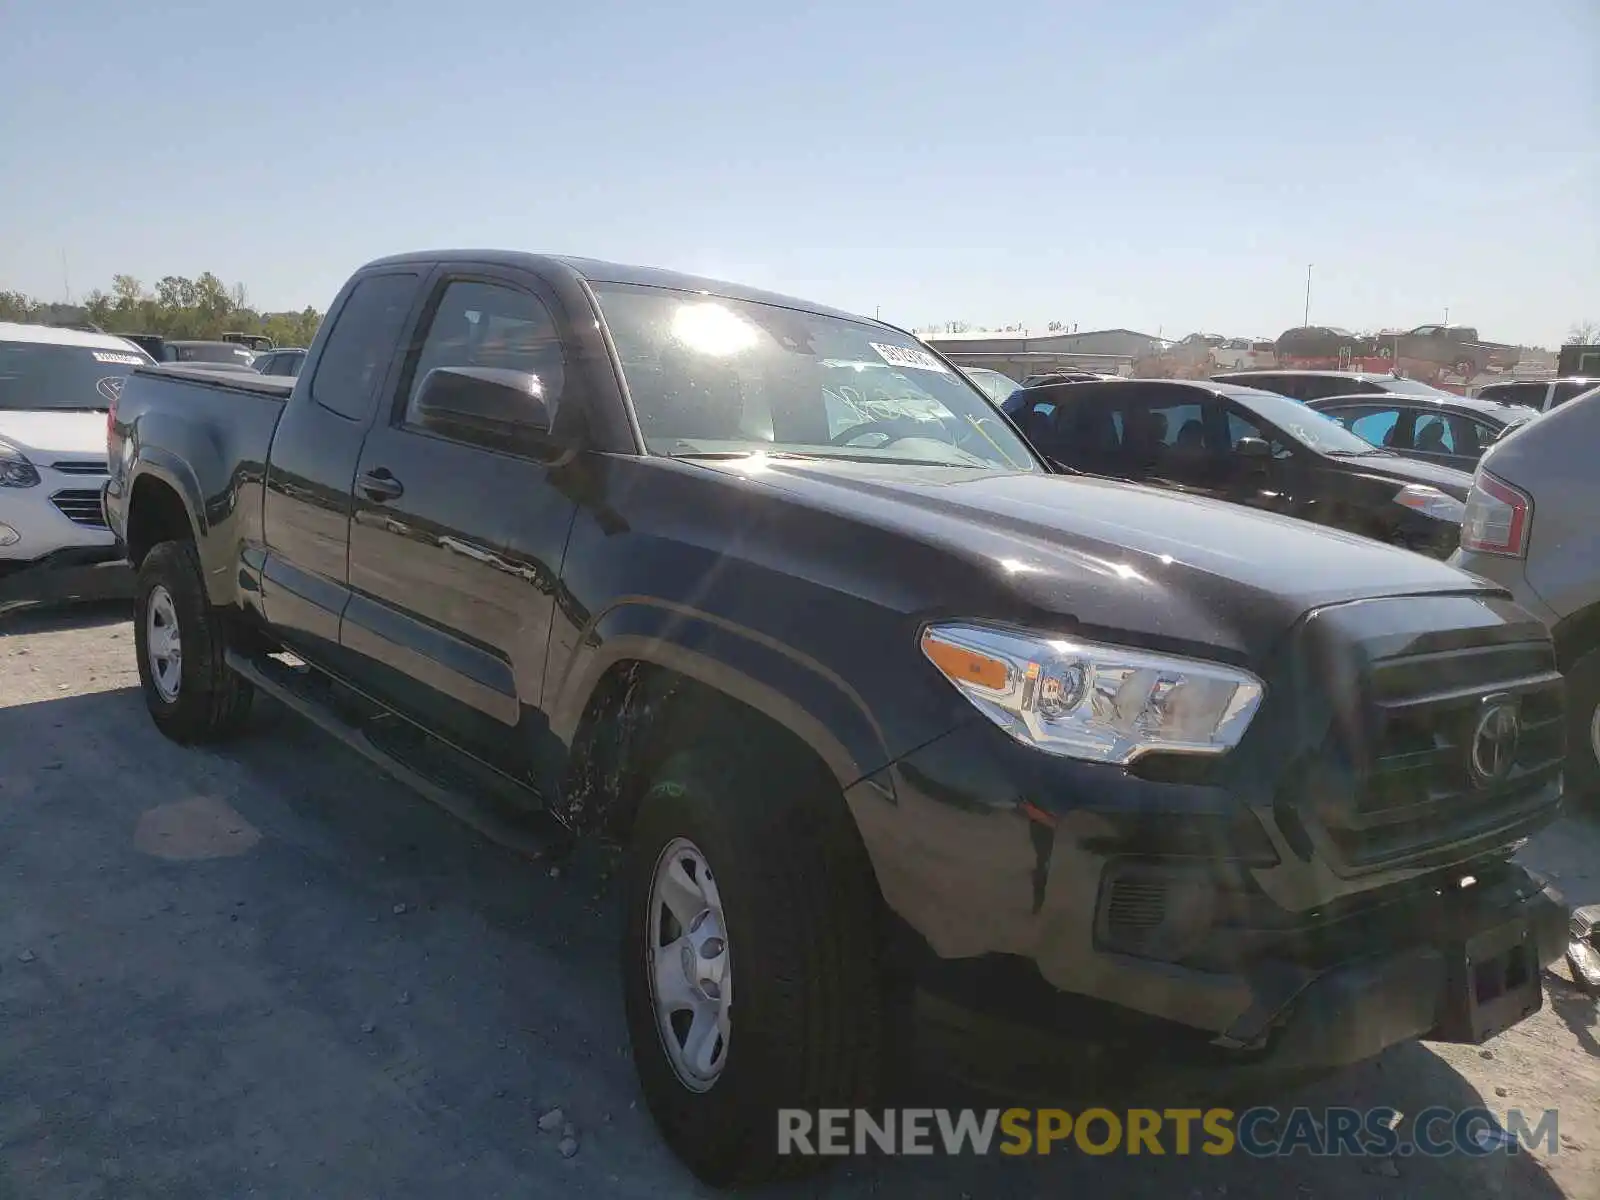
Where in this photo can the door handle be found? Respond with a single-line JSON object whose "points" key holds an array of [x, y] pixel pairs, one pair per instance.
{"points": [[380, 486]]}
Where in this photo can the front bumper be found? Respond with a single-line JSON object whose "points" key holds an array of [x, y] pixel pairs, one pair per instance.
{"points": [[1016, 1037], [61, 512]]}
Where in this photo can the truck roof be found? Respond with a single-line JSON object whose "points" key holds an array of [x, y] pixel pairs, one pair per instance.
{"points": [[50, 335], [599, 271]]}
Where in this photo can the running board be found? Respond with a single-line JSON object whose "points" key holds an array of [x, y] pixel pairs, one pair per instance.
{"points": [[535, 835]]}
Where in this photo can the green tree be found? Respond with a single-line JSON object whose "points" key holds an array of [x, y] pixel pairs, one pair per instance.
{"points": [[204, 307]]}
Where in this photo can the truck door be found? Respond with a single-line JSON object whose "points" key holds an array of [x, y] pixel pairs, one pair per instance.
{"points": [[306, 511], [457, 536]]}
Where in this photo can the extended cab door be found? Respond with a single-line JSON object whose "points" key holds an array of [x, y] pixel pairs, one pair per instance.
{"points": [[306, 511], [457, 537]]}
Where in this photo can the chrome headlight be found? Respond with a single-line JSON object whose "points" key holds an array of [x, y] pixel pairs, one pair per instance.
{"points": [[15, 469], [1093, 701], [1431, 501]]}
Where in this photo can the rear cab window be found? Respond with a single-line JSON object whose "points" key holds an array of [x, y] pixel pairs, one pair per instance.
{"points": [[362, 344]]}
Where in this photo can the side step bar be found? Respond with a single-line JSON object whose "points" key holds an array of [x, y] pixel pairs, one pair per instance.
{"points": [[536, 835]]}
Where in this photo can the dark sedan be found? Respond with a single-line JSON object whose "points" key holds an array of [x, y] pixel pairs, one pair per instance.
{"points": [[1246, 446], [1453, 432]]}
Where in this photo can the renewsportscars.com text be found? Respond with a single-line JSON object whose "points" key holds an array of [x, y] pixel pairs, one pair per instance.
{"points": [[1257, 1132]]}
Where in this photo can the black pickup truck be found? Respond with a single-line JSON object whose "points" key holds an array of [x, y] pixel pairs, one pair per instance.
{"points": [[877, 706]]}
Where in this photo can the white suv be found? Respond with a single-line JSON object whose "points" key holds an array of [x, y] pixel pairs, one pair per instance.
{"points": [[56, 387]]}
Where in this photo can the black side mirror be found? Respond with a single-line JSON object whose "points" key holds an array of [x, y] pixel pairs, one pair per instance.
{"points": [[488, 405], [1252, 447]]}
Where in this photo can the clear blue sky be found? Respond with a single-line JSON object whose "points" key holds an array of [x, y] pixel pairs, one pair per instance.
{"points": [[1127, 163]]}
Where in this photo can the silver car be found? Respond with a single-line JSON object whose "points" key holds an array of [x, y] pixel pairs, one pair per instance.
{"points": [[1532, 524]]}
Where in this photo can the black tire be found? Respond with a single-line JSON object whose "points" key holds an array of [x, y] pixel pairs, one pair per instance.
{"points": [[212, 703], [1583, 715], [801, 911]]}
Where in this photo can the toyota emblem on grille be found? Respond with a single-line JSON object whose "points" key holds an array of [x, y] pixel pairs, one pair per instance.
{"points": [[1494, 740]]}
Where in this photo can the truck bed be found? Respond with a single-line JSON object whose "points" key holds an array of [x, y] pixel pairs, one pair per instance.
{"points": [[273, 386]]}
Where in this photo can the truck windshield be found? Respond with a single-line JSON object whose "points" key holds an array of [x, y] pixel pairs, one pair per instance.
{"points": [[36, 376], [711, 376]]}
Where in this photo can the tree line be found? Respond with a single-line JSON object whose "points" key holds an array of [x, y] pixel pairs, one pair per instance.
{"points": [[179, 307]]}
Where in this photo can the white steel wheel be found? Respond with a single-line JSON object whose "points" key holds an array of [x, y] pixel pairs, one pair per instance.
{"points": [[689, 965], [163, 644]]}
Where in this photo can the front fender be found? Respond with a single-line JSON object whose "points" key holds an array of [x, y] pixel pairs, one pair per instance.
{"points": [[799, 693]]}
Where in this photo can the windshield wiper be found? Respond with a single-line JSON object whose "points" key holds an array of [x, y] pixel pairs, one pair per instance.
{"points": [[737, 454]]}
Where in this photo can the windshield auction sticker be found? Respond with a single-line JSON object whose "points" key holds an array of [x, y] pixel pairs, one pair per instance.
{"points": [[908, 356], [107, 356]]}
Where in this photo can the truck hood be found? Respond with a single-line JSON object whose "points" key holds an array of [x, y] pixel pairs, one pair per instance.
{"points": [[1413, 470], [1114, 557], [46, 433]]}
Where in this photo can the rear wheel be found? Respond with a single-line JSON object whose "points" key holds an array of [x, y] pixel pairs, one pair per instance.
{"points": [[180, 641], [749, 958]]}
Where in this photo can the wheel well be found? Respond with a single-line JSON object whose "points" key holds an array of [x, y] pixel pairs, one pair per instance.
{"points": [[1576, 635], [637, 715], [156, 514]]}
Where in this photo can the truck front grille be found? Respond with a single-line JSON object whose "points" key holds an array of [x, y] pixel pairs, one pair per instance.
{"points": [[1457, 744], [81, 506]]}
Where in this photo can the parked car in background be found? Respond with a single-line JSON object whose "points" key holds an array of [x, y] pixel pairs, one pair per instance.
{"points": [[1577, 359], [198, 352], [1043, 377], [1454, 348], [206, 353], [150, 343], [992, 384], [286, 362], [1530, 526], [1245, 354], [1453, 432], [1247, 447], [56, 386], [1313, 385], [876, 704], [1540, 394]]}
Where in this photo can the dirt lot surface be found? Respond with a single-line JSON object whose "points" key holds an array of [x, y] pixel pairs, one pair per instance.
{"points": [[269, 971]]}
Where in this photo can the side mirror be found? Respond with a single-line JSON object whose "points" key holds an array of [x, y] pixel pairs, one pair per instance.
{"points": [[487, 405], [1252, 447]]}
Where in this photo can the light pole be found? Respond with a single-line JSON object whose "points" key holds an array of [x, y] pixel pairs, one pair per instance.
{"points": [[1306, 320]]}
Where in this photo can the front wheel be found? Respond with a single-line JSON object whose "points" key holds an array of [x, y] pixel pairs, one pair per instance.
{"points": [[750, 972], [180, 641]]}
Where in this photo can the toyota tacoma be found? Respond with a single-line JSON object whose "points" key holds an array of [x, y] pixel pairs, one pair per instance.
{"points": [[876, 705]]}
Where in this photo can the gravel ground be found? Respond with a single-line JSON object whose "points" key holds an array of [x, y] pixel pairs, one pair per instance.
{"points": [[268, 970]]}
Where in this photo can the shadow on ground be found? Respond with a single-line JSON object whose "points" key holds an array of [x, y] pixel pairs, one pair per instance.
{"points": [[20, 617], [269, 968]]}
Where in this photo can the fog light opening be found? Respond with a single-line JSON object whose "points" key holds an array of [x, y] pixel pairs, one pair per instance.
{"points": [[8, 535]]}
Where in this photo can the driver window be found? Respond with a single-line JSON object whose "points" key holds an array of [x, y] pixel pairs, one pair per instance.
{"points": [[1241, 427], [479, 324]]}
